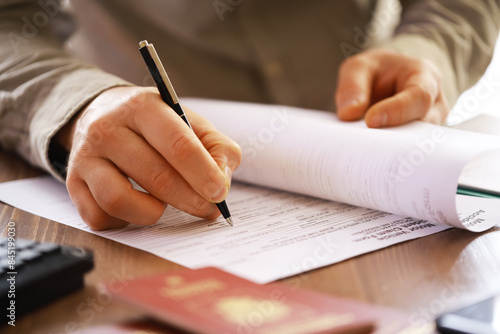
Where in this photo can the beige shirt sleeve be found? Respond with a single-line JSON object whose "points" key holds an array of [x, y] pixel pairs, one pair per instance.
{"points": [[457, 35], [41, 87]]}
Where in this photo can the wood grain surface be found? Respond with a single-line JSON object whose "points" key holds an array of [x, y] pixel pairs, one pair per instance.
{"points": [[423, 277]]}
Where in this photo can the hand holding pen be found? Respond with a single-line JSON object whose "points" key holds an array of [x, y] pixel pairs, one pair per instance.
{"points": [[169, 96], [130, 132]]}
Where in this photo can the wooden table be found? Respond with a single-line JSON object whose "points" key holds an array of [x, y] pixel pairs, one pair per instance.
{"points": [[423, 277]]}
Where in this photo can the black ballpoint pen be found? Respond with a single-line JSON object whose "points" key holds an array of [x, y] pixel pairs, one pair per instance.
{"points": [[169, 96]]}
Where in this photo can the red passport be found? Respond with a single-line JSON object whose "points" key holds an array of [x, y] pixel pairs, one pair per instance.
{"points": [[210, 300]]}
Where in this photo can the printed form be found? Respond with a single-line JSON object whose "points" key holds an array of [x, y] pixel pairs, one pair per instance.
{"points": [[275, 234], [341, 190]]}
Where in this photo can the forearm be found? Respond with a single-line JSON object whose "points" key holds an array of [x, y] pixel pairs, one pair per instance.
{"points": [[41, 87], [457, 35]]}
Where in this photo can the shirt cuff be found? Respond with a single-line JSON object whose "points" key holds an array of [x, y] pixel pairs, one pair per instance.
{"points": [[73, 92]]}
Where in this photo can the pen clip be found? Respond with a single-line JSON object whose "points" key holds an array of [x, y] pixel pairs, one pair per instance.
{"points": [[161, 70]]}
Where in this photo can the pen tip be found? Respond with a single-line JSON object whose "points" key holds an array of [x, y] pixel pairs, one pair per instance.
{"points": [[229, 220]]}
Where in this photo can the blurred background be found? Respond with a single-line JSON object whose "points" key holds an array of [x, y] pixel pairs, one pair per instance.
{"points": [[482, 98]]}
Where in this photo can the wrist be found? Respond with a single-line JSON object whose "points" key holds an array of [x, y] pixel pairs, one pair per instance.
{"points": [[60, 146], [64, 137]]}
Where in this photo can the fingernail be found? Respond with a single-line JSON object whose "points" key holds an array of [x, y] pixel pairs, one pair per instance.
{"points": [[220, 195], [378, 120], [229, 174], [348, 103]]}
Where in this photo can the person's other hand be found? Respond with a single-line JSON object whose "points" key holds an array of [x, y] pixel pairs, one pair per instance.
{"points": [[389, 88], [129, 132]]}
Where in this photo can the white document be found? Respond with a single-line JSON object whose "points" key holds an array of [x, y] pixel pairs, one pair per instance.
{"points": [[360, 174], [481, 124], [411, 170], [275, 234], [482, 173]]}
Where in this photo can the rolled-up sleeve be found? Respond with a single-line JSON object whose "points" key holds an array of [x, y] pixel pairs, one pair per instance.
{"points": [[41, 86], [457, 35]]}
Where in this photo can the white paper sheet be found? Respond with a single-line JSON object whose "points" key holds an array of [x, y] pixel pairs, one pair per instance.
{"points": [[411, 171], [275, 234]]}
